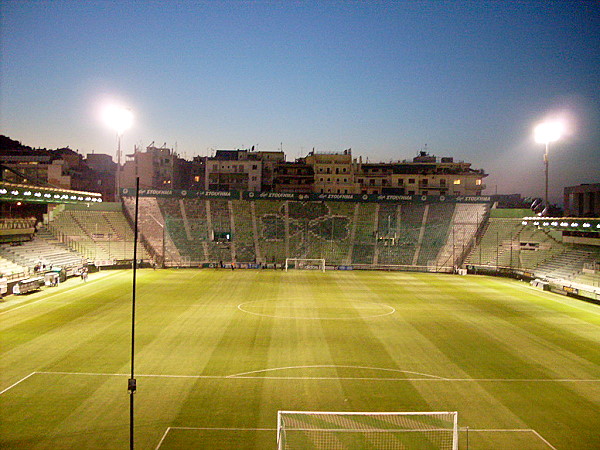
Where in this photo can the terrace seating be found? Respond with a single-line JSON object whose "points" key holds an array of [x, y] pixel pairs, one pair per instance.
{"points": [[466, 220], [98, 234], [270, 231], [568, 265], [507, 243], [436, 232], [10, 269], [30, 253]]}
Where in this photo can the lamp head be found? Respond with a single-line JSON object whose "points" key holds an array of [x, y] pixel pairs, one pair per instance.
{"points": [[118, 118], [547, 132]]}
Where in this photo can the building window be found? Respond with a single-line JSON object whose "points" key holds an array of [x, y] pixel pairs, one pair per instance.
{"points": [[424, 182], [401, 182], [457, 181], [372, 182], [411, 181], [478, 182], [197, 178], [443, 182], [254, 167], [411, 192], [423, 192]]}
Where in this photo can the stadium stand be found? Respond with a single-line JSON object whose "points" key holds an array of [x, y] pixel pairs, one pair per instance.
{"points": [[101, 233], [200, 231], [41, 254], [506, 243], [569, 264], [467, 221], [12, 270], [194, 232], [156, 240]]}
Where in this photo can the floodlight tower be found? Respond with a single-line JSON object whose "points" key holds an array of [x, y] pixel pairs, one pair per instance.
{"points": [[545, 133], [119, 119]]}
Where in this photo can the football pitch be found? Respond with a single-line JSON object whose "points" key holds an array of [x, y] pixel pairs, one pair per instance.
{"points": [[219, 352]]}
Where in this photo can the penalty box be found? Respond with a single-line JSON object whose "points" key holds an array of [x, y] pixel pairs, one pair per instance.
{"points": [[81, 384]]}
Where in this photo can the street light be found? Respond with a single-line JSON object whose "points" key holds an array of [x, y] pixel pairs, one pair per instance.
{"points": [[119, 119], [545, 133]]}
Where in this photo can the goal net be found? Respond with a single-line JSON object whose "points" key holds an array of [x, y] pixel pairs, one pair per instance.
{"points": [[373, 430], [305, 264]]}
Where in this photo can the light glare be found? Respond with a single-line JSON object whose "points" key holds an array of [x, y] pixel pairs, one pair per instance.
{"points": [[548, 132], [118, 118]]}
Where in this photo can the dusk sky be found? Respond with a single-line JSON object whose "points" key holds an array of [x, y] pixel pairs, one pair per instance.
{"points": [[465, 79]]}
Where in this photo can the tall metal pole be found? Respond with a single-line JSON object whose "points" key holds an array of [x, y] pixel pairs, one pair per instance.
{"points": [[547, 205], [118, 174], [163, 243], [132, 382]]}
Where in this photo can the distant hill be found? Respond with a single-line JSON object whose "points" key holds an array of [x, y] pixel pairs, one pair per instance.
{"points": [[10, 145]]}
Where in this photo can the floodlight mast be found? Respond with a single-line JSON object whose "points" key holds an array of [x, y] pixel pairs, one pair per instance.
{"points": [[119, 119], [544, 134]]}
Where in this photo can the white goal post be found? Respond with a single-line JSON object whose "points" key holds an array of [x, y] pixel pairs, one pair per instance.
{"points": [[379, 430], [305, 264]]}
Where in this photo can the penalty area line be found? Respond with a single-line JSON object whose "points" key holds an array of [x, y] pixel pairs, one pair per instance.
{"points": [[242, 376], [14, 384], [164, 436], [509, 430]]}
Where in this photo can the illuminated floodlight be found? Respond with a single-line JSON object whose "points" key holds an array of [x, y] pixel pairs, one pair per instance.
{"points": [[586, 225], [547, 132], [118, 118], [544, 133], [524, 222]]}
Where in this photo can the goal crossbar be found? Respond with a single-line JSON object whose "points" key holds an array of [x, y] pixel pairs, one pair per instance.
{"points": [[389, 430]]}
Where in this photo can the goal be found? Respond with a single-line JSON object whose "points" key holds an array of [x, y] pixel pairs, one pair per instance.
{"points": [[378, 430], [305, 264]]}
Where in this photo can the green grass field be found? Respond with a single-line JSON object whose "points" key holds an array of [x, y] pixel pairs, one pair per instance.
{"points": [[218, 353]]}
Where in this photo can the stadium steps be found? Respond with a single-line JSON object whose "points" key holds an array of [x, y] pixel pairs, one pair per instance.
{"points": [[29, 253], [11, 269]]}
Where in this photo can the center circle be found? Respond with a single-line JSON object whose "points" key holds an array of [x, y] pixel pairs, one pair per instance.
{"points": [[308, 309]]}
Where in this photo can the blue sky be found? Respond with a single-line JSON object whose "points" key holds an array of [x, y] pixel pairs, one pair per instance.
{"points": [[467, 79]]}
